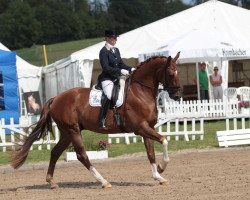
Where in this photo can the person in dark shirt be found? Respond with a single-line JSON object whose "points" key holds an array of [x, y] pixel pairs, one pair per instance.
{"points": [[112, 68]]}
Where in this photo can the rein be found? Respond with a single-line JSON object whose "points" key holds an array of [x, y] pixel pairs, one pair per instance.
{"points": [[143, 84], [149, 86]]}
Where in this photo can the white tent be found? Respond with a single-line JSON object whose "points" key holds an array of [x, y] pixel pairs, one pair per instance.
{"points": [[29, 77], [227, 22], [200, 45]]}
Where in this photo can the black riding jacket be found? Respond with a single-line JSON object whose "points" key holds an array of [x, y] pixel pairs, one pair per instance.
{"points": [[111, 64]]}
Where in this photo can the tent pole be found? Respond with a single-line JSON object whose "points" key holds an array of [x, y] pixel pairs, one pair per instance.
{"points": [[198, 81], [45, 55]]}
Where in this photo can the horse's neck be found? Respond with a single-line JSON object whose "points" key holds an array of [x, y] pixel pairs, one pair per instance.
{"points": [[146, 76], [142, 88]]}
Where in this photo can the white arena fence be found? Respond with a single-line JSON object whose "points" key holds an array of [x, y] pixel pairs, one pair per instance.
{"points": [[236, 134], [174, 128], [173, 120], [172, 115], [17, 132]]}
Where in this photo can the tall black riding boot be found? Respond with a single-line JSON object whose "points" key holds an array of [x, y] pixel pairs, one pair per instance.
{"points": [[103, 111]]}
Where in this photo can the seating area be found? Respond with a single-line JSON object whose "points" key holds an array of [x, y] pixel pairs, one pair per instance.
{"points": [[233, 92], [240, 93]]}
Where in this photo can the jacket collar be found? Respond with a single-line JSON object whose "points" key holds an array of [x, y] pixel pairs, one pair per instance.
{"points": [[109, 46]]}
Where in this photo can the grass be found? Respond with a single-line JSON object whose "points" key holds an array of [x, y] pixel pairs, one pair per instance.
{"points": [[35, 56], [90, 140]]}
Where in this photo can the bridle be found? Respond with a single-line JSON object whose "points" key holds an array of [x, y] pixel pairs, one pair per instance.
{"points": [[146, 85], [165, 86]]}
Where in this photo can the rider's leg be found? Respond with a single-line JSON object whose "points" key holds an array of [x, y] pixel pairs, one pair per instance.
{"points": [[107, 87]]}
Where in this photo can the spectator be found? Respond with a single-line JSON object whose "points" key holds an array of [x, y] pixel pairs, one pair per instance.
{"points": [[203, 82], [216, 80]]}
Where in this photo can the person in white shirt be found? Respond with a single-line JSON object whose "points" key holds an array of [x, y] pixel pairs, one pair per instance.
{"points": [[216, 81]]}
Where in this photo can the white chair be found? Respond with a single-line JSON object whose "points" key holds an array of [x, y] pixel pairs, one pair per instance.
{"points": [[231, 93], [244, 93], [163, 100]]}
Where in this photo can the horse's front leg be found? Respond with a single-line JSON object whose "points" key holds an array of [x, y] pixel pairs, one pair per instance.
{"points": [[163, 165], [149, 145], [150, 132]]}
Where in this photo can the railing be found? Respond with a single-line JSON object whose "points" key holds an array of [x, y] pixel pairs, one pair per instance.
{"points": [[238, 134], [206, 109], [17, 132], [172, 113]]}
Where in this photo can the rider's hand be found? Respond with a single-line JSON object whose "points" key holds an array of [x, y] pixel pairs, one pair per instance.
{"points": [[124, 72], [132, 69]]}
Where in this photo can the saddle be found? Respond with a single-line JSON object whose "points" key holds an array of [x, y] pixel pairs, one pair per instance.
{"points": [[98, 98], [96, 93]]}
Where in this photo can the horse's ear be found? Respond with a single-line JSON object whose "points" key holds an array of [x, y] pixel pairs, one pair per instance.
{"points": [[177, 56], [168, 61]]}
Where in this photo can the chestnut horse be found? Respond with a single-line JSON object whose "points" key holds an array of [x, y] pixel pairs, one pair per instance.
{"points": [[72, 113]]}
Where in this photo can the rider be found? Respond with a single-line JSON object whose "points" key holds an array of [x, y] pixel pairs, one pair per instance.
{"points": [[112, 68]]}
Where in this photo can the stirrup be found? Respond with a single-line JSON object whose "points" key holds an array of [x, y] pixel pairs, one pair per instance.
{"points": [[117, 117], [102, 124]]}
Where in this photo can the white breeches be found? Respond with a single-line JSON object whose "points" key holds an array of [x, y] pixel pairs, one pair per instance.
{"points": [[107, 87]]}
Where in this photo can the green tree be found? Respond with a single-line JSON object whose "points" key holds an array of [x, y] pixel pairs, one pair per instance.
{"points": [[21, 29], [127, 15], [245, 4], [131, 14]]}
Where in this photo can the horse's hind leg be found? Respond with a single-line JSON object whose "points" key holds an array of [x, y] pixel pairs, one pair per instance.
{"points": [[149, 145], [56, 152], [83, 158]]}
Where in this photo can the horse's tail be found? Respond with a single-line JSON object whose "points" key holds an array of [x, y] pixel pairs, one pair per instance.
{"points": [[41, 129]]}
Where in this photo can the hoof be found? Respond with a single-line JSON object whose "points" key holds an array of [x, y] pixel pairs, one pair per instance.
{"points": [[164, 183], [50, 180], [159, 169], [54, 186], [106, 185]]}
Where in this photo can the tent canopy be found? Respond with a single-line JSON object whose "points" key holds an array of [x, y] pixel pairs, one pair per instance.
{"points": [[225, 21], [199, 45]]}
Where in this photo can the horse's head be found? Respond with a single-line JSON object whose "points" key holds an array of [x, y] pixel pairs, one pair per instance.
{"points": [[170, 77]]}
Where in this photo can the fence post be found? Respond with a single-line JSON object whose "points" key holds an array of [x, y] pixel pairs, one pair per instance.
{"points": [[193, 128], [12, 137], [202, 128], [3, 134]]}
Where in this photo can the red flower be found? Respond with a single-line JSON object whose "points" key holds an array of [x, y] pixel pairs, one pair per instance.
{"points": [[244, 104], [102, 145]]}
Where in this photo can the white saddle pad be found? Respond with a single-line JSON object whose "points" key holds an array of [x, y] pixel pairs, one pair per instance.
{"points": [[96, 95]]}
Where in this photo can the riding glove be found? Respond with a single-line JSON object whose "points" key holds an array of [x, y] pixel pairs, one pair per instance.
{"points": [[124, 72], [133, 69]]}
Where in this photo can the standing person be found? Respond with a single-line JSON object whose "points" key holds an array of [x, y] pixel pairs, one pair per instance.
{"points": [[112, 68], [216, 80], [203, 82]]}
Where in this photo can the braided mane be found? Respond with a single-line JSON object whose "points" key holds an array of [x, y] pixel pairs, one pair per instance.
{"points": [[149, 59]]}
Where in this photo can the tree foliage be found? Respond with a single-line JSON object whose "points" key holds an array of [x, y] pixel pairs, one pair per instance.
{"points": [[28, 22]]}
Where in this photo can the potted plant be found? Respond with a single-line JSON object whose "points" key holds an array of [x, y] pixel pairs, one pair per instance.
{"points": [[244, 107], [98, 151]]}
